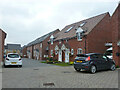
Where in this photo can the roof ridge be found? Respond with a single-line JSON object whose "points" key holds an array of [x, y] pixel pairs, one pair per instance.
{"points": [[88, 18]]}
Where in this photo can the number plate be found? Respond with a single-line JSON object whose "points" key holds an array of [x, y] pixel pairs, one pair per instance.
{"points": [[79, 61], [13, 62]]}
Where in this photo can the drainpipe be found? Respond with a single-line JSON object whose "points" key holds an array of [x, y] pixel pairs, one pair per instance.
{"points": [[85, 44]]}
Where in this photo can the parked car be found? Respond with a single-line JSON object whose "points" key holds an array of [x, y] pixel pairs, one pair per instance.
{"points": [[13, 59], [93, 62]]}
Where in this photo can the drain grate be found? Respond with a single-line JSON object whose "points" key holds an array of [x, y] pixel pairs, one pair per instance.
{"points": [[36, 69], [48, 84], [66, 72]]}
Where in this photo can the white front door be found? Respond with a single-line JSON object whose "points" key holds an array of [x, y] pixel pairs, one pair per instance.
{"points": [[66, 56], [60, 56], [29, 55]]}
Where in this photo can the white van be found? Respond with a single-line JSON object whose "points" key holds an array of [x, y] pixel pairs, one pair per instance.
{"points": [[109, 53]]}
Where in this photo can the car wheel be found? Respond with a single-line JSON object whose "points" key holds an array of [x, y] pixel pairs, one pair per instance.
{"points": [[93, 69], [4, 66], [113, 67], [20, 66], [78, 70]]}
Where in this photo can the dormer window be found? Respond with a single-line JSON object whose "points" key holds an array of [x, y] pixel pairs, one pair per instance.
{"points": [[51, 39], [68, 29], [79, 33], [82, 24]]}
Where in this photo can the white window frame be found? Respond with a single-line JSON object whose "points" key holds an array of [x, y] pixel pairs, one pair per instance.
{"points": [[56, 52], [79, 51], [72, 51], [40, 45], [51, 41], [79, 36], [51, 52]]}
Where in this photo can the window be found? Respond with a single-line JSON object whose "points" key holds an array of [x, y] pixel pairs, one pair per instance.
{"points": [[13, 55], [79, 51], [56, 52], [79, 36], [72, 51], [51, 39], [41, 45], [82, 24], [68, 29], [51, 52], [59, 42]]}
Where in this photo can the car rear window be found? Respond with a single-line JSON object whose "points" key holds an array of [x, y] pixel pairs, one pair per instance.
{"points": [[13, 55], [81, 55]]}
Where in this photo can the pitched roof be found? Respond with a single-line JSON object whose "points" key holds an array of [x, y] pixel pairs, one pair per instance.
{"points": [[42, 38], [70, 30]]}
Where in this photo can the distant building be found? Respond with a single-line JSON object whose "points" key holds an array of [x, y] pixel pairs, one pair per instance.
{"points": [[13, 48], [2, 40], [86, 36], [38, 49], [24, 51]]}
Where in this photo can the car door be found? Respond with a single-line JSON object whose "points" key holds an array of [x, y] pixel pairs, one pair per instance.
{"points": [[104, 62], [97, 61]]}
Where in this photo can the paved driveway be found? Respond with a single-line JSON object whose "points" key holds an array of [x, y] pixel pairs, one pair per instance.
{"points": [[34, 74]]}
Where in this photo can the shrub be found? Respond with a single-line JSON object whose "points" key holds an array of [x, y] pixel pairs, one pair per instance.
{"points": [[117, 66], [71, 63]]}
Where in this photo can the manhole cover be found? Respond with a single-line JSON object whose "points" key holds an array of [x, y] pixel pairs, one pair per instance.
{"points": [[66, 72], [36, 69], [48, 84]]}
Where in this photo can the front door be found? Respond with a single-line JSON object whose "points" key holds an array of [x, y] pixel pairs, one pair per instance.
{"points": [[66, 57], [60, 56]]}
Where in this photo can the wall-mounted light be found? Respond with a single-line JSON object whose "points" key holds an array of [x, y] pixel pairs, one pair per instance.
{"points": [[118, 44]]}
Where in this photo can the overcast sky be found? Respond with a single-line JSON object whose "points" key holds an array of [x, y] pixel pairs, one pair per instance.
{"points": [[26, 20]]}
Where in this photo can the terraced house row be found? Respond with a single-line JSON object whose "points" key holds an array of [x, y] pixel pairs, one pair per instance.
{"points": [[92, 35], [2, 40]]}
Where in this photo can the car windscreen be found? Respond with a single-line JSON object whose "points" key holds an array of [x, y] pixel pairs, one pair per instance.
{"points": [[13, 56]]}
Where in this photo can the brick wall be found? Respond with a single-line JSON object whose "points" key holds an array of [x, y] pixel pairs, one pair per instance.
{"points": [[115, 25], [2, 38], [100, 35]]}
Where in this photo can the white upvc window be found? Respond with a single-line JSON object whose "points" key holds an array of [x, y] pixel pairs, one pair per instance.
{"points": [[40, 45], [51, 41], [79, 36], [51, 52], [56, 52], [79, 51], [72, 51]]}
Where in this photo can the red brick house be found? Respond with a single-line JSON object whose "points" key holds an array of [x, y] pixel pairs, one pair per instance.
{"points": [[2, 40], [38, 49], [86, 36], [115, 26]]}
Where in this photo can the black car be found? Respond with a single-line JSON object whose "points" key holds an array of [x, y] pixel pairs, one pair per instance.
{"points": [[93, 62]]}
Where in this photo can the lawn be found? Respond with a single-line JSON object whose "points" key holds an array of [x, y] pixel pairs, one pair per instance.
{"points": [[58, 64]]}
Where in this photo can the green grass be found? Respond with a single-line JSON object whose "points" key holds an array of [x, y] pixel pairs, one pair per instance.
{"points": [[57, 63], [43, 62]]}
